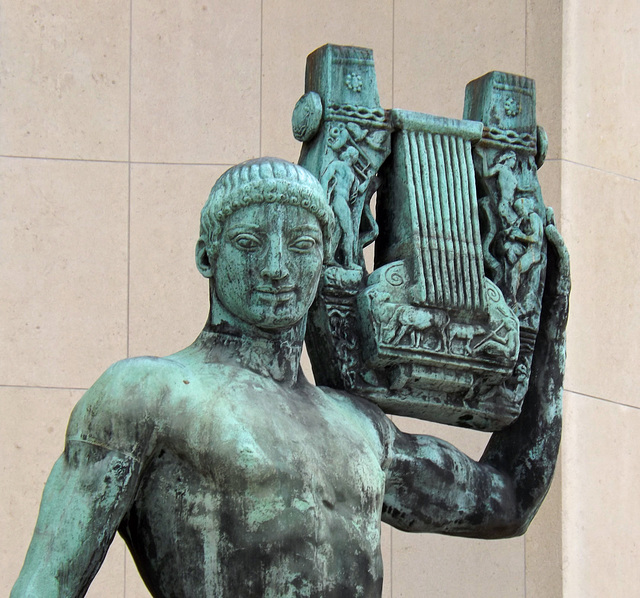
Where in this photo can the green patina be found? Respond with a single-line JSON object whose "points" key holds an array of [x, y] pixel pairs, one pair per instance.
{"points": [[224, 470]]}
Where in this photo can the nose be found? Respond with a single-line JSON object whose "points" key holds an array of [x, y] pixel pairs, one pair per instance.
{"points": [[275, 267]]}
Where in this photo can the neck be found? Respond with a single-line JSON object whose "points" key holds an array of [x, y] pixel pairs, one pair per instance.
{"points": [[273, 354]]}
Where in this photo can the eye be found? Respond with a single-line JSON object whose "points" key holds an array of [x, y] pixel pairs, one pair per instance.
{"points": [[303, 244], [246, 241]]}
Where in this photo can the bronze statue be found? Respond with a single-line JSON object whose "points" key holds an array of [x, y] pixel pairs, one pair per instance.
{"points": [[228, 474]]}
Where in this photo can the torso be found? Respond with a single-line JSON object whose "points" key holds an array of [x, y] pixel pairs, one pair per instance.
{"points": [[259, 489]]}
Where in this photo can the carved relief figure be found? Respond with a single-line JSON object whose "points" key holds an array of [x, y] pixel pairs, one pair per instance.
{"points": [[530, 234], [504, 169], [414, 322], [229, 475], [341, 185], [462, 335], [519, 240], [495, 342]]}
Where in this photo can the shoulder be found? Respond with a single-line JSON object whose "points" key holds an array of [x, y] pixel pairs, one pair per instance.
{"points": [[120, 410], [369, 409], [135, 382]]}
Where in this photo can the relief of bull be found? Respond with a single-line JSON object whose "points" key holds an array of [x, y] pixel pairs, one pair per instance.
{"points": [[418, 323]]}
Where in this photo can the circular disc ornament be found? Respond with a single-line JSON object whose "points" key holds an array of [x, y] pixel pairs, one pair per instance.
{"points": [[542, 144], [307, 116]]}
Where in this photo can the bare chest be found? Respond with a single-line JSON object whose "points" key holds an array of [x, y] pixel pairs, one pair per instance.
{"points": [[265, 474], [255, 440], [264, 440]]}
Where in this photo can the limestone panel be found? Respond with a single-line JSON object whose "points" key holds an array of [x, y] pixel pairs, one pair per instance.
{"points": [[305, 364], [169, 299], [31, 439], [601, 521], [601, 79], [110, 579], [544, 64], [134, 586], [65, 79], [599, 222], [291, 31], [429, 565], [441, 46], [63, 241], [195, 81], [543, 544]]}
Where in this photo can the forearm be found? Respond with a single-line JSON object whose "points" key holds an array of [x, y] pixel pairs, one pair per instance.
{"points": [[526, 451], [85, 498], [433, 487]]}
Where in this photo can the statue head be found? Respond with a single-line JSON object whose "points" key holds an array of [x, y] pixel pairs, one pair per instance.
{"points": [[509, 158], [350, 155], [263, 180], [264, 235]]}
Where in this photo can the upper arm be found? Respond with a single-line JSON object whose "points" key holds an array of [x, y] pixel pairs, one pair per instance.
{"points": [[118, 411], [90, 489], [434, 487]]}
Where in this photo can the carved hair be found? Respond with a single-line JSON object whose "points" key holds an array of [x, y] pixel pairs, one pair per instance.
{"points": [[350, 152], [265, 180], [502, 158]]}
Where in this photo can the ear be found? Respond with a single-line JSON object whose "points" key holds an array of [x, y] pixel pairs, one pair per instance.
{"points": [[202, 259]]}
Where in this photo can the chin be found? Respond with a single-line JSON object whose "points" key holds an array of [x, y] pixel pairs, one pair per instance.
{"points": [[273, 325], [273, 322]]}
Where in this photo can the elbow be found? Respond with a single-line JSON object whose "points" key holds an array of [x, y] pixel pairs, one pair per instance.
{"points": [[503, 525], [515, 529], [510, 529]]}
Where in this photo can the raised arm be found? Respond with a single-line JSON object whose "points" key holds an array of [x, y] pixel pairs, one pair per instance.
{"points": [[434, 487], [89, 490]]}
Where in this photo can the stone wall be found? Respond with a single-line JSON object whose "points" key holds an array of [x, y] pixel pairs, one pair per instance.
{"points": [[117, 117]]}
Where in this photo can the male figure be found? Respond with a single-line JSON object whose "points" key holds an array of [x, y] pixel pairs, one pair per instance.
{"points": [[229, 475], [529, 232], [340, 184]]}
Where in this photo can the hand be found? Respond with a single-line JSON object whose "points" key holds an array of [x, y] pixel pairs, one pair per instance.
{"points": [[558, 281]]}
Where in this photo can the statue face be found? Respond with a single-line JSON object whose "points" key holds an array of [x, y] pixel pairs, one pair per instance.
{"points": [[268, 264]]}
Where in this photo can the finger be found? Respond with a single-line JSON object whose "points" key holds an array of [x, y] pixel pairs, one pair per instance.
{"points": [[555, 239], [551, 216], [562, 262]]}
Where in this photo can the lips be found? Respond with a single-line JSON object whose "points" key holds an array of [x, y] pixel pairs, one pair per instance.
{"points": [[283, 293]]}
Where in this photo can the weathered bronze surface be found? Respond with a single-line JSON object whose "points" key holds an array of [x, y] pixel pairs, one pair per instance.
{"points": [[224, 470], [444, 327]]}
